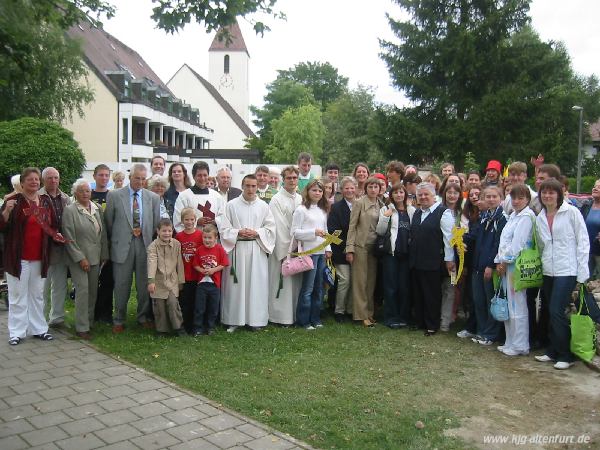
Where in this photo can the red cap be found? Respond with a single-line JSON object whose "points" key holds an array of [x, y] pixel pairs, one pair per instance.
{"points": [[380, 176], [494, 165]]}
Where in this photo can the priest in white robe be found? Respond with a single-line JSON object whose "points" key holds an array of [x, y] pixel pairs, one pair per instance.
{"points": [[206, 203], [283, 291], [247, 231]]}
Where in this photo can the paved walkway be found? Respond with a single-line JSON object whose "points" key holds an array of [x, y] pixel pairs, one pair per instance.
{"points": [[64, 394]]}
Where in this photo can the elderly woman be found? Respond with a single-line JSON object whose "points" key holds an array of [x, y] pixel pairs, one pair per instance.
{"points": [[159, 185], [29, 223], [359, 252], [118, 178], [87, 249]]}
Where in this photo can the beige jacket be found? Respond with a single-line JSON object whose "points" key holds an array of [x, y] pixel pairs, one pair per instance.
{"points": [[87, 234], [165, 267], [363, 223]]}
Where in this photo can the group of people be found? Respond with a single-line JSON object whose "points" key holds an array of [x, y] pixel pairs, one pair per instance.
{"points": [[427, 249]]}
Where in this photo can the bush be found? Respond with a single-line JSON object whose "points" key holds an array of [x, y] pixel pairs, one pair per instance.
{"points": [[587, 183], [38, 143]]}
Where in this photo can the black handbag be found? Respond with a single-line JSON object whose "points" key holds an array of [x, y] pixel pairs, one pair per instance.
{"points": [[383, 246]]}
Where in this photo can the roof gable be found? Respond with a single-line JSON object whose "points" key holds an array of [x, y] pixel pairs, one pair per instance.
{"points": [[237, 43], [242, 125]]}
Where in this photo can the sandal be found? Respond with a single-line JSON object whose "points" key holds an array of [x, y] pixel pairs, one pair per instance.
{"points": [[44, 336], [14, 341]]}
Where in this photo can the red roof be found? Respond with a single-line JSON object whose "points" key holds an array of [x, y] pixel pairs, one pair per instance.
{"points": [[237, 43]]}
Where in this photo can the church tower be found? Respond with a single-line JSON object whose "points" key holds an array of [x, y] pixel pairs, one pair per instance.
{"points": [[228, 70]]}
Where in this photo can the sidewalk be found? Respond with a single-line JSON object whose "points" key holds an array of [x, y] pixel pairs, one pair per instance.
{"points": [[64, 394]]}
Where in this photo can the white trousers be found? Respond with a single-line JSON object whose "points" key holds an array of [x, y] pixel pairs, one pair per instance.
{"points": [[55, 291], [26, 301], [517, 326]]}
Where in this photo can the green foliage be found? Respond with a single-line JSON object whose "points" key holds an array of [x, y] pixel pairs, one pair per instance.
{"points": [[297, 130], [30, 142], [470, 163], [483, 82], [40, 67], [587, 183], [322, 79], [347, 120], [172, 16]]}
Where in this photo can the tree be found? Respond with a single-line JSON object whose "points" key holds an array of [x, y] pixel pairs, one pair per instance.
{"points": [[297, 130], [30, 142], [347, 120], [482, 81], [322, 79]]}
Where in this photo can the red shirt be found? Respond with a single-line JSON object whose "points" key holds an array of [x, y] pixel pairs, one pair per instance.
{"points": [[32, 244], [211, 257], [189, 245]]}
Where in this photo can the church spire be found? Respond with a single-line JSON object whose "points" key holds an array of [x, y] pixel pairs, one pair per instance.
{"points": [[237, 43]]}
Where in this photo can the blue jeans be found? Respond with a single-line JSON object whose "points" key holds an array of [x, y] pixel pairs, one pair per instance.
{"points": [[308, 310], [558, 294], [206, 309], [483, 291], [396, 290]]}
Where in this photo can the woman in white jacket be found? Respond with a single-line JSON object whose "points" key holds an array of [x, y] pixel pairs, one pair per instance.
{"points": [[565, 248], [309, 225], [515, 237], [396, 271]]}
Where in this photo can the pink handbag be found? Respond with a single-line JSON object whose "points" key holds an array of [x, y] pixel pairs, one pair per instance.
{"points": [[297, 264]]}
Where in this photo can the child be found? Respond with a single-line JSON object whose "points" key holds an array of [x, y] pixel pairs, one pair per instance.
{"points": [[209, 261], [190, 239], [165, 276]]}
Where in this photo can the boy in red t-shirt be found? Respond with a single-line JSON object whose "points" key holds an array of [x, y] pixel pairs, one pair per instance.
{"points": [[190, 239], [209, 261]]}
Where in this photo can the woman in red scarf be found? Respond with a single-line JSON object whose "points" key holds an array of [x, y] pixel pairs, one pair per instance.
{"points": [[28, 223]]}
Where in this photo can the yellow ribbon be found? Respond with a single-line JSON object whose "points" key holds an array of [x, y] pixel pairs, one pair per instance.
{"points": [[333, 238], [458, 243]]}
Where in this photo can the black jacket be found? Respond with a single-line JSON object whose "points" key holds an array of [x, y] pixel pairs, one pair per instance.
{"points": [[339, 219]]}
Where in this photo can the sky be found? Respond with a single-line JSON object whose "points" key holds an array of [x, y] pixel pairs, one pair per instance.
{"points": [[344, 33]]}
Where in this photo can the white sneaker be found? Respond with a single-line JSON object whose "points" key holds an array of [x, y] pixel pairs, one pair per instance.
{"points": [[485, 342], [563, 365], [319, 325], [231, 329], [543, 358], [513, 352], [310, 327], [501, 348], [464, 334]]}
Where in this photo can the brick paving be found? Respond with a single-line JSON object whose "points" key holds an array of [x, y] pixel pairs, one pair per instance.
{"points": [[64, 394]]}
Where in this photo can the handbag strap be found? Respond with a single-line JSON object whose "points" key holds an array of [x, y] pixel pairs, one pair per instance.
{"points": [[533, 235], [582, 300]]}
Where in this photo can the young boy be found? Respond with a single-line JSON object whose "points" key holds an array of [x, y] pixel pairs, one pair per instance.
{"points": [[209, 261], [165, 276], [190, 239]]}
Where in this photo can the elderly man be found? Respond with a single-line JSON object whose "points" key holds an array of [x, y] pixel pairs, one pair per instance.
{"points": [[431, 231], [104, 302], [206, 202], [275, 178], [224, 184], [247, 232], [132, 214], [283, 291], [55, 287]]}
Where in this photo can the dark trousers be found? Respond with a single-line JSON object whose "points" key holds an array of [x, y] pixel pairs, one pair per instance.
{"points": [[538, 327], [103, 311], [427, 298], [208, 299], [558, 293], [483, 291], [467, 302], [187, 302], [396, 285]]}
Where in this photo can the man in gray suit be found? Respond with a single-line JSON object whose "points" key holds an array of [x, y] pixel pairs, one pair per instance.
{"points": [[132, 214]]}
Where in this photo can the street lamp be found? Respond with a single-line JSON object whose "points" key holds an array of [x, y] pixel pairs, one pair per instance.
{"points": [[580, 149]]}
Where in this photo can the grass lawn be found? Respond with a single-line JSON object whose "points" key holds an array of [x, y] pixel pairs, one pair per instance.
{"points": [[344, 386]]}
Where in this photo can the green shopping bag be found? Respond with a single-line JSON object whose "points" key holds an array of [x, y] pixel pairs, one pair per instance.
{"points": [[583, 331], [528, 267]]}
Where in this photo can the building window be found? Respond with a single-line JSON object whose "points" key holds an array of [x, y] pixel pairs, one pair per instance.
{"points": [[125, 131], [226, 64]]}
